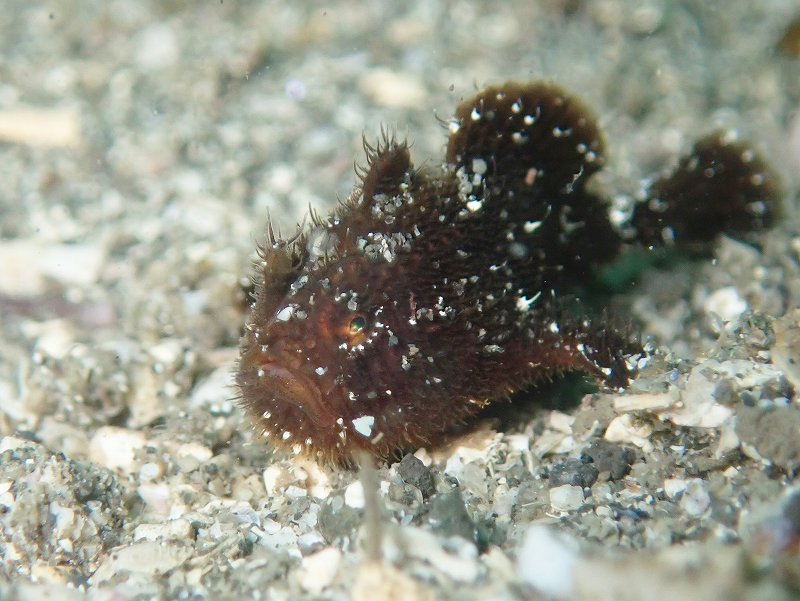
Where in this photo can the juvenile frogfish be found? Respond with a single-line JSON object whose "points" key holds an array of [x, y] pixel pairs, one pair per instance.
{"points": [[430, 293]]}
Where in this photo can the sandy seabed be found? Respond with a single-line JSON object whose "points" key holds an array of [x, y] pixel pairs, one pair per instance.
{"points": [[142, 145]]}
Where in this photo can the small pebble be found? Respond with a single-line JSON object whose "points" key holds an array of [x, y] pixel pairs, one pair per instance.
{"points": [[337, 521], [455, 557], [276, 479], [295, 89], [157, 499], [179, 529], [624, 429], [414, 472], [673, 487], [382, 582], [574, 472], [695, 498], [319, 569], [392, 88], [725, 303], [49, 127], [27, 265], [566, 497], [448, 516], [157, 46], [547, 562], [151, 471], [771, 435], [115, 448], [193, 454], [611, 458], [145, 557]]}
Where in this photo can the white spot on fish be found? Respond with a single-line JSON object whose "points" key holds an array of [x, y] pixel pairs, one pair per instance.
{"points": [[363, 425], [517, 250]]}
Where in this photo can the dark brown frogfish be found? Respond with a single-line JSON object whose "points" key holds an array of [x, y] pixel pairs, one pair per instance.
{"points": [[428, 294]]}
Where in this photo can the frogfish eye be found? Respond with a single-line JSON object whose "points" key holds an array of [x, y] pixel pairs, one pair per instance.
{"points": [[357, 330], [357, 325]]}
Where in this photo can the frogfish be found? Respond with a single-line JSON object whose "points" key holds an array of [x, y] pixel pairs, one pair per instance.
{"points": [[430, 293]]}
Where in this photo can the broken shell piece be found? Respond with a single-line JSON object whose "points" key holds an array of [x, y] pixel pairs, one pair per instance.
{"points": [[625, 429]]}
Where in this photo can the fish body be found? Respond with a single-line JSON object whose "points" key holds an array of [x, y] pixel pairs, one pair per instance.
{"points": [[427, 295]]}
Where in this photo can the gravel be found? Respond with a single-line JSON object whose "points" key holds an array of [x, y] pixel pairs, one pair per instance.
{"points": [[143, 145]]}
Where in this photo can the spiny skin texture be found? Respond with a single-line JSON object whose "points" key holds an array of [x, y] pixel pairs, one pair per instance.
{"points": [[426, 296]]}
